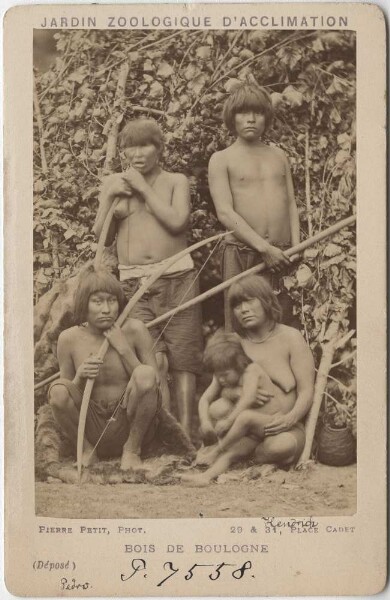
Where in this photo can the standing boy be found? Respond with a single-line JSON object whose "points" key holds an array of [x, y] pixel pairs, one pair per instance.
{"points": [[252, 189], [150, 224]]}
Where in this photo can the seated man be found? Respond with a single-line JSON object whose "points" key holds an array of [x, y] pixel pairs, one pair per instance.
{"points": [[124, 408]]}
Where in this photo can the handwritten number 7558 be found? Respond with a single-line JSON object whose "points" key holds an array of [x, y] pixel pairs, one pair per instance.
{"points": [[139, 565]]}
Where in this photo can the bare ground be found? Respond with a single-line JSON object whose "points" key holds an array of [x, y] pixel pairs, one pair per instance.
{"points": [[315, 490]]}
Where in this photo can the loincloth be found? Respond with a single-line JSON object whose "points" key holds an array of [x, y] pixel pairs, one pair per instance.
{"points": [[181, 336], [100, 418], [143, 272]]}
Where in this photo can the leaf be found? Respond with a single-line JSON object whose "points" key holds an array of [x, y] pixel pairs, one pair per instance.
{"points": [[304, 276], [165, 70], [148, 66], [203, 52], [335, 260], [335, 116], [39, 186], [288, 282], [289, 55], [231, 84], [198, 82], [310, 253], [293, 96], [191, 71], [79, 136], [257, 39], [318, 45], [156, 90], [350, 264], [78, 75], [323, 142], [332, 249], [41, 277], [276, 99], [69, 233], [344, 140]]}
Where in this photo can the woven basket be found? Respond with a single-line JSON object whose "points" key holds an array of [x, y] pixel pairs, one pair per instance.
{"points": [[336, 447]]}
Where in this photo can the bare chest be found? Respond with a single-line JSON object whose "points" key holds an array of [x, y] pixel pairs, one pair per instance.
{"points": [[112, 368], [162, 188], [274, 357], [258, 168]]}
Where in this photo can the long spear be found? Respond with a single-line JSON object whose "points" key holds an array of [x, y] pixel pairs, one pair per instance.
{"points": [[308, 243]]}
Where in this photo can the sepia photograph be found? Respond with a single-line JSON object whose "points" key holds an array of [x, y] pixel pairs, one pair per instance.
{"points": [[194, 272], [195, 300]]}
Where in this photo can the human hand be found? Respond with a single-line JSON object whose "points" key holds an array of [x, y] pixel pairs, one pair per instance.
{"points": [[116, 339], [135, 180], [280, 422], [274, 258], [115, 185], [223, 427], [262, 396], [208, 433], [89, 369]]}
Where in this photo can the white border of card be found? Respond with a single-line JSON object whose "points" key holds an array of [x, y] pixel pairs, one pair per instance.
{"points": [[347, 556]]}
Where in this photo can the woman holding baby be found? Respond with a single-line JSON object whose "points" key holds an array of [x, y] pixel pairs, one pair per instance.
{"points": [[270, 426]]}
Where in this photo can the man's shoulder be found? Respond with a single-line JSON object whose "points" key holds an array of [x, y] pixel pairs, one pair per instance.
{"points": [[68, 335], [277, 151], [221, 156], [134, 326]]}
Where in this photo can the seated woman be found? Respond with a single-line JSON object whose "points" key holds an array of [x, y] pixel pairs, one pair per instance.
{"points": [[284, 355]]}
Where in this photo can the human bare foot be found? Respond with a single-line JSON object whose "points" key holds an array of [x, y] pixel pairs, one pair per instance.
{"points": [[89, 457], [199, 480], [206, 455], [130, 460]]}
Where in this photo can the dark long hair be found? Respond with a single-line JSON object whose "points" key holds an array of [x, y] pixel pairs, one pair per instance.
{"points": [[243, 98], [91, 281], [251, 287]]}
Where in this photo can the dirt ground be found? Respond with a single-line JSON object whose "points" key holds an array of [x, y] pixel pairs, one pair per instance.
{"points": [[315, 490]]}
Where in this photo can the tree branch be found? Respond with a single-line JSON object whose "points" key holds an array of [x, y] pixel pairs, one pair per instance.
{"points": [[38, 117]]}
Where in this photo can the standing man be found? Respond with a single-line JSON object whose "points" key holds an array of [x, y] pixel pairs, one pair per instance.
{"points": [[252, 190], [150, 225]]}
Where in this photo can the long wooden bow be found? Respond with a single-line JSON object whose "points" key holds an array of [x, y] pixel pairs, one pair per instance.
{"points": [[119, 322], [222, 286]]}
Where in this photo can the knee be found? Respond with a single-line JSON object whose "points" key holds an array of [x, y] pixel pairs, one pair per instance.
{"points": [[276, 448], [144, 378], [245, 418], [59, 397], [220, 408]]}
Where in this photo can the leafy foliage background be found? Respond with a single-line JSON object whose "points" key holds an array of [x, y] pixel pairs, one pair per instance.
{"points": [[181, 78]]}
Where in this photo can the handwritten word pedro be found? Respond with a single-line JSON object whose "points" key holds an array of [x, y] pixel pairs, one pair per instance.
{"points": [[139, 568]]}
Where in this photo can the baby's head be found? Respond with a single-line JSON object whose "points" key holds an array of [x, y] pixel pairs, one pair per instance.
{"points": [[225, 358], [244, 98]]}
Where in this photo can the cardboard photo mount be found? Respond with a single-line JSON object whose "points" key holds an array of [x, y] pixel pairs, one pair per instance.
{"points": [[56, 556]]}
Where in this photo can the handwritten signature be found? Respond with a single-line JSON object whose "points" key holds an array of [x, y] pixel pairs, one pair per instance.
{"points": [[73, 584], [291, 524]]}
